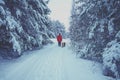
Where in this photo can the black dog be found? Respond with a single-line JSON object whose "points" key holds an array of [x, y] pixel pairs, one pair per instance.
{"points": [[63, 44]]}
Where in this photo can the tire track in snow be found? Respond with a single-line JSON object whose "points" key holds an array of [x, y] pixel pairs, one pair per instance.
{"points": [[51, 63], [19, 71]]}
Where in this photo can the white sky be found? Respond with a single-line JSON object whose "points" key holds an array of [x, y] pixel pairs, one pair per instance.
{"points": [[61, 10]]}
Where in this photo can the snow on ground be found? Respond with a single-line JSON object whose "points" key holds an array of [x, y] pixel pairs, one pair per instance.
{"points": [[50, 63]]}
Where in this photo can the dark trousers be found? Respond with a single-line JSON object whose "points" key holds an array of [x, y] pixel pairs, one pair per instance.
{"points": [[59, 43]]}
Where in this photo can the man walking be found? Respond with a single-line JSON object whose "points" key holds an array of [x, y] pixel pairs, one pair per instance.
{"points": [[59, 39]]}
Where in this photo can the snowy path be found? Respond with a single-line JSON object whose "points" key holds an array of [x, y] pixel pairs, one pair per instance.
{"points": [[50, 63]]}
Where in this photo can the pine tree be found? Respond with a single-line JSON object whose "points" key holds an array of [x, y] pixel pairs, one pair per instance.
{"points": [[58, 27], [94, 26], [24, 24]]}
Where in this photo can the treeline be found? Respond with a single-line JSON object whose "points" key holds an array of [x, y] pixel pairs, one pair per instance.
{"points": [[24, 25], [95, 32]]}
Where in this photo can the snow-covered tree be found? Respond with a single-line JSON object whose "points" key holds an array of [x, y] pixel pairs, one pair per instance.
{"points": [[23, 26], [57, 27], [94, 25]]}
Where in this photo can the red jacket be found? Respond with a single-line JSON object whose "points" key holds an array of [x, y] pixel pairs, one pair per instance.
{"points": [[59, 38]]}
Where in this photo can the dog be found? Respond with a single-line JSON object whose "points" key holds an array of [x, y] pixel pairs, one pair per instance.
{"points": [[63, 44]]}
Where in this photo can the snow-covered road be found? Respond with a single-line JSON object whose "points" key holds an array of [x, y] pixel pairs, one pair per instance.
{"points": [[50, 63]]}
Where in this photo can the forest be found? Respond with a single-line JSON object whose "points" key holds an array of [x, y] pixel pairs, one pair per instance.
{"points": [[94, 31]]}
